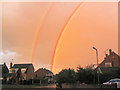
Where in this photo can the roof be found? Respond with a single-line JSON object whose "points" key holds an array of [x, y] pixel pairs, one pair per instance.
{"points": [[44, 69], [4, 69], [112, 54], [22, 65], [47, 71]]}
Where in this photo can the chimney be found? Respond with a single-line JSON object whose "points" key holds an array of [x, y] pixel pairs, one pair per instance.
{"points": [[110, 51], [106, 55], [10, 65], [4, 63]]}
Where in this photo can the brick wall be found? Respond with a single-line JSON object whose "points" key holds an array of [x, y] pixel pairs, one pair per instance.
{"points": [[40, 73], [30, 73], [113, 60]]}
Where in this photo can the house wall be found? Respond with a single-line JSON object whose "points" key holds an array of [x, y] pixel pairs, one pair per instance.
{"points": [[30, 73], [40, 74], [113, 58], [4, 70]]}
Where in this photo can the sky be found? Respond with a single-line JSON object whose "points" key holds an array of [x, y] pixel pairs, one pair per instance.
{"points": [[31, 33]]}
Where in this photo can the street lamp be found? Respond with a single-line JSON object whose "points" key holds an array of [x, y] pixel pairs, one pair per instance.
{"points": [[97, 63]]}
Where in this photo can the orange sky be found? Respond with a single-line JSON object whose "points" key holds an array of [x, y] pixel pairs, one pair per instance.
{"points": [[95, 24]]}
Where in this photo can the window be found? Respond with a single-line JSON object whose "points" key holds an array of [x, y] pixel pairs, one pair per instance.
{"points": [[16, 70], [108, 64], [23, 70], [12, 70]]}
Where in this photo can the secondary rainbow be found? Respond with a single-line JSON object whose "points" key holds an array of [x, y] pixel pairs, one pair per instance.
{"points": [[34, 46]]}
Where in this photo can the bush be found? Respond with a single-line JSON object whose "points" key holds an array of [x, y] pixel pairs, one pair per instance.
{"points": [[66, 76], [85, 75]]}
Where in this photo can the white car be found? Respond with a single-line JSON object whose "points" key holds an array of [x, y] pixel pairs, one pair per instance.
{"points": [[113, 81]]}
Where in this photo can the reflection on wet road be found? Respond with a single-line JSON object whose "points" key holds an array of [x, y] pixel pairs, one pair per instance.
{"points": [[49, 86]]}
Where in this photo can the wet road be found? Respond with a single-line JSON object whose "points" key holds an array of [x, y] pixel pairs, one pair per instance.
{"points": [[49, 86], [53, 87]]}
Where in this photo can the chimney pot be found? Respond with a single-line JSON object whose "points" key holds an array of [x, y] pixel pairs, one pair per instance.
{"points": [[110, 51], [10, 65], [106, 55]]}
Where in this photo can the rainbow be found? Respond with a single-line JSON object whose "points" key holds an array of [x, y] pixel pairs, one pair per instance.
{"points": [[62, 33], [34, 46]]}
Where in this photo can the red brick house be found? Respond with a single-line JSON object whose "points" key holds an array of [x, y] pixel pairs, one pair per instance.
{"points": [[111, 63], [4, 74], [44, 74], [111, 60], [19, 72], [5, 70]]}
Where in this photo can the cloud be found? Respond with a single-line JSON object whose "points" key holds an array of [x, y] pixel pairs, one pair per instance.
{"points": [[1, 53], [7, 55]]}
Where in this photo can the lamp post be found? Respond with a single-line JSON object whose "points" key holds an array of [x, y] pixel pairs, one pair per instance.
{"points": [[97, 63]]}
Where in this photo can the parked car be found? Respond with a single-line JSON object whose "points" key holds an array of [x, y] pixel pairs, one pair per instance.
{"points": [[113, 81]]}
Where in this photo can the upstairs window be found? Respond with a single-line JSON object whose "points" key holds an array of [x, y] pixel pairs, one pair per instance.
{"points": [[13, 70], [23, 70], [108, 64]]}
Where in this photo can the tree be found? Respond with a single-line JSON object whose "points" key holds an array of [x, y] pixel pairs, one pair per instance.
{"points": [[85, 75], [66, 76]]}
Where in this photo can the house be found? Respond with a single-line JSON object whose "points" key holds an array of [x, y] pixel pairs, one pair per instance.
{"points": [[111, 62], [5, 72], [21, 72], [26, 70], [44, 74]]}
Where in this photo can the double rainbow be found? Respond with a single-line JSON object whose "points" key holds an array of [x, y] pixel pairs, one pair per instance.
{"points": [[59, 37]]}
